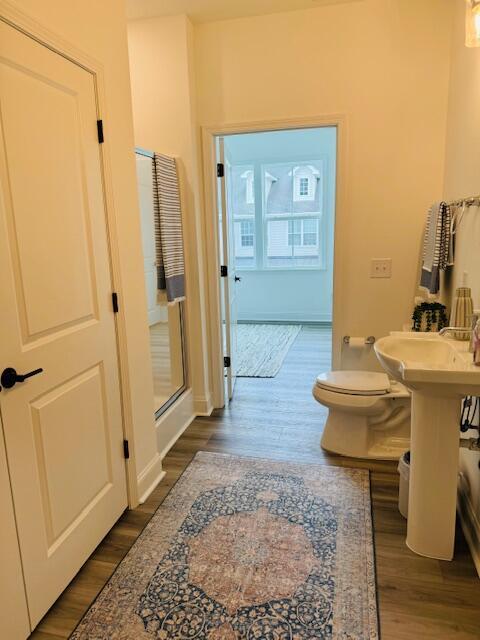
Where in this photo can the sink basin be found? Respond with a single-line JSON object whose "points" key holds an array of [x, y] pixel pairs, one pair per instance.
{"points": [[439, 372], [433, 364]]}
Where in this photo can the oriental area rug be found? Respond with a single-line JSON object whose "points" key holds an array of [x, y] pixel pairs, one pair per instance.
{"points": [[246, 548]]}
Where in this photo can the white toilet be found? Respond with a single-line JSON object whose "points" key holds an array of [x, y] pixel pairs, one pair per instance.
{"points": [[369, 415]]}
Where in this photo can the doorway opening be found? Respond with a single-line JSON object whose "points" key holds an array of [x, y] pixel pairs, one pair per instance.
{"points": [[276, 204]]}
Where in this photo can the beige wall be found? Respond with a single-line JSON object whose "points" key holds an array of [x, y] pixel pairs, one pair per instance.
{"points": [[385, 65], [164, 105], [99, 30], [462, 179]]}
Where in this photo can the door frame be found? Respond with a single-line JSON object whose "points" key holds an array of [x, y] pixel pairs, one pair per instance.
{"points": [[214, 314], [11, 16]]}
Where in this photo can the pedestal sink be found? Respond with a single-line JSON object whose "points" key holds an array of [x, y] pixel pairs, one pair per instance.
{"points": [[439, 372]]}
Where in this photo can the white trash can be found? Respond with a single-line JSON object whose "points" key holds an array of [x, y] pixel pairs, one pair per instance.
{"points": [[404, 471]]}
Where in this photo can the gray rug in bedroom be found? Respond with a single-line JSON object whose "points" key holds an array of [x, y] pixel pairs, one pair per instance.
{"points": [[262, 348]]}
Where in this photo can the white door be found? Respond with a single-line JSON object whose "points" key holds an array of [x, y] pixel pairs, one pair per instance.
{"points": [[63, 427], [156, 313], [230, 280]]}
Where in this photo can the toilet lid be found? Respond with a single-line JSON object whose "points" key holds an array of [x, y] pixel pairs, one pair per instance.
{"points": [[365, 383]]}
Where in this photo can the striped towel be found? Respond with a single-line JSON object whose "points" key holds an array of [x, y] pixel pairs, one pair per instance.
{"points": [[437, 246], [168, 228]]}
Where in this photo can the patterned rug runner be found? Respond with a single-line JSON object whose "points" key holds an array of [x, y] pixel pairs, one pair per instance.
{"points": [[262, 348], [249, 549]]}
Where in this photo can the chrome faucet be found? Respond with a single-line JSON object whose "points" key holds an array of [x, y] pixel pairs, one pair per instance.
{"points": [[474, 318], [445, 330]]}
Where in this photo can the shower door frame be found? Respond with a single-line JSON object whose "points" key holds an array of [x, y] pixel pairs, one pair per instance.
{"points": [[214, 313]]}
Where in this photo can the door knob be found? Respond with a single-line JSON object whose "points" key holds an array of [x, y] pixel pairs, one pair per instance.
{"points": [[237, 278], [10, 377]]}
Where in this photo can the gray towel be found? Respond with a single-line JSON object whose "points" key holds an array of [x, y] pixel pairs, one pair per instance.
{"points": [[437, 246], [168, 228]]}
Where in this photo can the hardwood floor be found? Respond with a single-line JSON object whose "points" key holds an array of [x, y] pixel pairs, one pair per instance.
{"points": [[419, 598]]}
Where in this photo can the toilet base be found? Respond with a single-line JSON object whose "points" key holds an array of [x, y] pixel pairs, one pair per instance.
{"points": [[354, 436]]}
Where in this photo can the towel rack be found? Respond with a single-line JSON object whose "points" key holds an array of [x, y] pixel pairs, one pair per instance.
{"points": [[144, 152], [466, 202]]}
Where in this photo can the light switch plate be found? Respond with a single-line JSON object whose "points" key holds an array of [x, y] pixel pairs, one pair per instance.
{"points": [[381, 268]]}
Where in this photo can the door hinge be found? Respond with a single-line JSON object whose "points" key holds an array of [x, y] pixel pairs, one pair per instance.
{"points": [[227, 362], [115, 302], [100, 131], [224, 271], [220, 170], [126, 450]]}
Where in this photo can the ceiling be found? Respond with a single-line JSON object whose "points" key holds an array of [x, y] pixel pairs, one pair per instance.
{"points": [[210, 10]]}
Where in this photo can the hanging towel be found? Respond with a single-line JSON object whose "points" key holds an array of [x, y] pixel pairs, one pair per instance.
{"points": [[437, 246], [168, 228]]}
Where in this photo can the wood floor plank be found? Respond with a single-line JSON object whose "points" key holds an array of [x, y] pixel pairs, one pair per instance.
{"points": [[419, 598]]}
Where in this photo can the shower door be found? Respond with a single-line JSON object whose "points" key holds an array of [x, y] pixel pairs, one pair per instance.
{"points": [[165, 321]]}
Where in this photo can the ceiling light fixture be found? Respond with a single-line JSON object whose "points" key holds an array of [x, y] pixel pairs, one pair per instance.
{"points": [[473, 23]]}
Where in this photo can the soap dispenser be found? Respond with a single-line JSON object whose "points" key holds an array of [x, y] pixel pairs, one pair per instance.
{"points": [[462, 312]]}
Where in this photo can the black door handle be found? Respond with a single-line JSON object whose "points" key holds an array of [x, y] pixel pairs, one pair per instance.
{"points": [[10, 377], [237, 279]]}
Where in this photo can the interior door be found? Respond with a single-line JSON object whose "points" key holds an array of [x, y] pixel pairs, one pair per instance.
{"points": [[63, 426], [230, 318]]}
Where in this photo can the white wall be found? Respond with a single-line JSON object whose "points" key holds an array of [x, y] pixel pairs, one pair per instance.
{"points": [[99, 30], [164, 121], [385, 65], [462, 179]]}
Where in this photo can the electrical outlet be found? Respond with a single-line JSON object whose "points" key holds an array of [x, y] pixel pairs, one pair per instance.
{"points": [[381, 268]]}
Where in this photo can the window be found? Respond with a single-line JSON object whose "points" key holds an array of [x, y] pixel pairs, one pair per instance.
{"points": [[284, 228], [310, 233], [303, 233], [303, 190], [294, 233], [247, 230]]}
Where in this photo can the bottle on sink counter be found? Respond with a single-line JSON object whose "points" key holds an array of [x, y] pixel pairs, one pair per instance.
{"points": [[462, 312]]}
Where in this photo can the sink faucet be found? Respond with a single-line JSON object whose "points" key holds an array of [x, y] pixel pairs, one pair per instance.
{"points": [[474, 318], [445, 330]]}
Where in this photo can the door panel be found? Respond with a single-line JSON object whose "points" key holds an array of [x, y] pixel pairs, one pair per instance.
{"points": [[63, 428], [56, 291], [66, 454]]}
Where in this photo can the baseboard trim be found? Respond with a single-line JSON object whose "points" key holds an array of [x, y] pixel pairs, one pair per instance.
{"points": [[470, 524], [203, 405], [286, 318], [149, 478]]}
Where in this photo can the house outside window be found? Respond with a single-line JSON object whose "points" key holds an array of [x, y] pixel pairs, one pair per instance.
{"points": [[286, 229]]}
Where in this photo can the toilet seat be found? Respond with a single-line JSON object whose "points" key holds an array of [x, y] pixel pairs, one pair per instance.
{"points": [[358, 383]]}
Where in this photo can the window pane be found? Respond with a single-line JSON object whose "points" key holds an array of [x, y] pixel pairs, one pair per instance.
{"points": [[309, 239], [292, 243], [304, 186], [244, 231]]}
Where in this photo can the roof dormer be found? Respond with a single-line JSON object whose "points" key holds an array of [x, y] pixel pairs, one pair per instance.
{"points": [[305, 182]]}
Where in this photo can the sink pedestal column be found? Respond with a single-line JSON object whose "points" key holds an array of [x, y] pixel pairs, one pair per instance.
{"points": [[433, 475]]}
